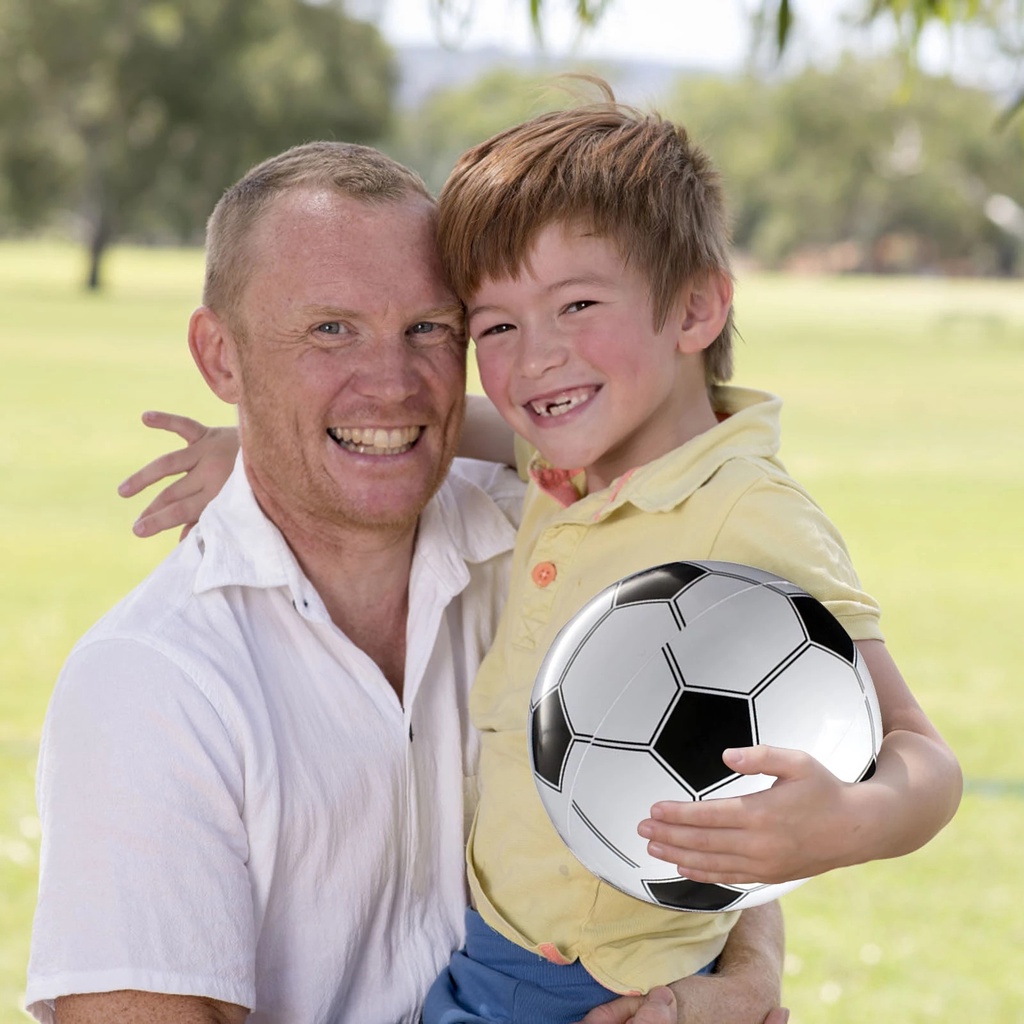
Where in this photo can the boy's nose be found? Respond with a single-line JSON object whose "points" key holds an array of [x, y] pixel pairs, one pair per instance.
{"points": [[541, 351]]}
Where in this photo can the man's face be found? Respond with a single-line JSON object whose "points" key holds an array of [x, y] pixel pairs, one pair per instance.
{"points": [[352, 361]]}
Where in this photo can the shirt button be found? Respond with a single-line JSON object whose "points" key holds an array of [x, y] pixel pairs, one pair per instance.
{"points": [[544, 573]]}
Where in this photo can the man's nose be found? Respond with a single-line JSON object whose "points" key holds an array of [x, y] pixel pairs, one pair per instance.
{"points": [[387, 370]]}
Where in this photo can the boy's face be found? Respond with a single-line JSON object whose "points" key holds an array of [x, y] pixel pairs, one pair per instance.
{"points": [[569, 354]]}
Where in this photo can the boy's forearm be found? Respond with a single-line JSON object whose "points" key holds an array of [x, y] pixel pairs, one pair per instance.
{"points": [[913, 794], [485, 435], [917, 784]]}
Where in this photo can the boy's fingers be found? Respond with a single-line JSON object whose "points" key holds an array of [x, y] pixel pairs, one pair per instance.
{"points": [[169, 464], [177, 513], [762, 759], [185, 427]]}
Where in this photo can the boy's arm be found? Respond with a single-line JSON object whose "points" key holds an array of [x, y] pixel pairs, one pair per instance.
{"points": [[809, 822], [745, 988], [485, 435], [209, 456], [206, 461]]}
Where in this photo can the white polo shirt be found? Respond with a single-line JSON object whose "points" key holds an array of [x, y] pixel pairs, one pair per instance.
{"points": [[234, 802]]}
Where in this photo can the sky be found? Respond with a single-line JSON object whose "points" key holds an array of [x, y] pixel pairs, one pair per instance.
{"points": [[714, 34]]}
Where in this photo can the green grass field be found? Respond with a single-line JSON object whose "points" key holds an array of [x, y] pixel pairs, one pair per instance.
{"points": [[902, 416]]}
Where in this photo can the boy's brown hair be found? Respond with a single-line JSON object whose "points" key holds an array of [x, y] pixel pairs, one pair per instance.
{"points": [[624, 174]]}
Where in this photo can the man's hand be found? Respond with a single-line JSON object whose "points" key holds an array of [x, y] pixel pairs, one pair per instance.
{"points": [[660, 1006], [745, 988]]}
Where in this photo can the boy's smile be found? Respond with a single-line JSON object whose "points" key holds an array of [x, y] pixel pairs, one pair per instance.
{"points": [[561, 403], [569, 353]]}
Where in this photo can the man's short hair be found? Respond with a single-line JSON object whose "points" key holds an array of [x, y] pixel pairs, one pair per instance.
{"points": [[346, 168], [631, 176]]}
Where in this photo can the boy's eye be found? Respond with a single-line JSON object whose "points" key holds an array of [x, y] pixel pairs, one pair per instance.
{"points": [[496, 329], [575, 307]]}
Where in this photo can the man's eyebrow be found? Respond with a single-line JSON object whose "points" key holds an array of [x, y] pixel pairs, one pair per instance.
{"points": [[329, 313], [454, 309]]}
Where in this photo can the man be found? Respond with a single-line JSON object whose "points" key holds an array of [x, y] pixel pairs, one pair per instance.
{"points": [[255, 770]]}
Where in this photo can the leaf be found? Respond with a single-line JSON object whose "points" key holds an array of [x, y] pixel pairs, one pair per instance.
{"points": [[783, 24]]}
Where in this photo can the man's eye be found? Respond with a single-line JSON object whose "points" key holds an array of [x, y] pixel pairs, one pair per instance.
{"points": [[426, 327], [332, 327], [575, 307]]}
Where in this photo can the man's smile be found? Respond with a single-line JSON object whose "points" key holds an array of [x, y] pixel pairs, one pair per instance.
{"points": [[376, 440]]}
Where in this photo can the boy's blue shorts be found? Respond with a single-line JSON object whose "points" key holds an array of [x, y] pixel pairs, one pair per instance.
{"points": [[494, 981]]}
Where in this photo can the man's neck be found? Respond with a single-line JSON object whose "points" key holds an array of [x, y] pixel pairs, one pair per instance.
{"points": [[362, 577]]}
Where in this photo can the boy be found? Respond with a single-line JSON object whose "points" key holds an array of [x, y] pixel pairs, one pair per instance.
{"points": [[590, 247]]}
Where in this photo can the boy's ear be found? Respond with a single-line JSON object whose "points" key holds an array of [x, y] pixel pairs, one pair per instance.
{"points": [[705, 308], [215, 352]]}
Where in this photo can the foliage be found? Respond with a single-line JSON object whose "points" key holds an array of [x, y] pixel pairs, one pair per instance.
{"points": [[431, 137], [779, 18], [136, 115], [777, 22], [899, 171], [858, 167]]}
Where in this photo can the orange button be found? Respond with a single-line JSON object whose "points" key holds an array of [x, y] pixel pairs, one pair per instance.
{"points": [[544, 573]]}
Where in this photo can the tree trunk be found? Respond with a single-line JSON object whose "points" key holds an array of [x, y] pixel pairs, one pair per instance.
{"points": [[98, 241]]}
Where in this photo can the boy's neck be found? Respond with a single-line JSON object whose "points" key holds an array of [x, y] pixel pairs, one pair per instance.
{"points": [[697, 416]]}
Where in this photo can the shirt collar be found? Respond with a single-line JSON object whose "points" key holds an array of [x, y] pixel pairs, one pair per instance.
{"points": [[242, 547], [749, 427]]}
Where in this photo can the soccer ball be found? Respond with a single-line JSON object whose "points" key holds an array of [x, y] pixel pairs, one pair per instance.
{"points": [[644, 688]]}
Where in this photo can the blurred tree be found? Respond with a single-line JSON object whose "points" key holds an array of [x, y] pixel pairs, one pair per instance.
{"points": [[431, 137], [879, 172], [135, 114], [779, 17], [776, 21]]}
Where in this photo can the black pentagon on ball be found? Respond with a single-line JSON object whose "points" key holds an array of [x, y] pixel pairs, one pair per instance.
{"points": [[697, 730], [823, 627], [661, 583], [683, 894], [551, 737]]}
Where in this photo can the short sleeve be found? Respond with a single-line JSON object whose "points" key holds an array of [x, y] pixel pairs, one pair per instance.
{"points": [[143, 880], [778, 527]]}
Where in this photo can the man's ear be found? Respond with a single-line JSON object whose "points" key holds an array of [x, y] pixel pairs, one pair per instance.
{"points": [[705, 308], [215, 352]]}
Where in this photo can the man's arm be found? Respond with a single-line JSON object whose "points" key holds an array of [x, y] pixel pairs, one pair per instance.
{"points": [[143, 860], [130, 1007], [745, 988]]}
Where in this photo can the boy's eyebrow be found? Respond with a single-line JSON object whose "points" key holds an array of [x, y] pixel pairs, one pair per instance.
{"points": [[578, 280]]}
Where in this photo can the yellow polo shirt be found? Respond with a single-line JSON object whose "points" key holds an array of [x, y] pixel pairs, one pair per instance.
{"points": [[725, 496]]}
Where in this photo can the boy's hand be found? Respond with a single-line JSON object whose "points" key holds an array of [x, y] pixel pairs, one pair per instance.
{"points": [[804, 825], [207, 462]]}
